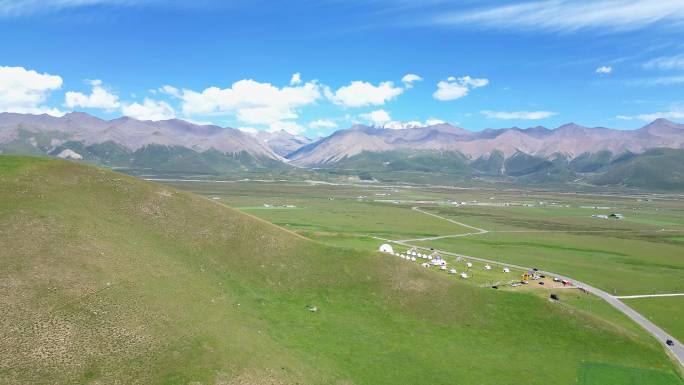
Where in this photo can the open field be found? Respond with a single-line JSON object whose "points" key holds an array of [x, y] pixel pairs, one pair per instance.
{"points": [[664, 311], [640, 254], [116, 280]]}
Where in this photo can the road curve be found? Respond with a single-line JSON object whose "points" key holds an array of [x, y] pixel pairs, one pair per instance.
{"points": [[676, 351]]}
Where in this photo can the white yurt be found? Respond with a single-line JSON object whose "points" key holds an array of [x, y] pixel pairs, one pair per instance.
{"points": [[425, 264], [464, 275], [452, 271], [487, 267], [469, 264], [413, 259], [506, 270], [442, 267], [386, 248]]}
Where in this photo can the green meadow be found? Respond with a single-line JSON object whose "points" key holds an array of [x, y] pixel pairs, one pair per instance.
{"points": [[663, 311], [116, 280], [640, 254]]}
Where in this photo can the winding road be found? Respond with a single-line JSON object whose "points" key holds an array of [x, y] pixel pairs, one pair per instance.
{"points": [[676, 351]]}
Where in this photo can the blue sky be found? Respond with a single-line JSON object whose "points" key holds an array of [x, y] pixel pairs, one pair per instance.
{"points": [[476, 64]]}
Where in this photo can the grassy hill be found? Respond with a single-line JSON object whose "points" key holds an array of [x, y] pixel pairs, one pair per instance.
{"points": [[108, 279], [656, 169]]}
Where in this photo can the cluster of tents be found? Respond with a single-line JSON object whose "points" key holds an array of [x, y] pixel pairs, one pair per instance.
{"points": [[432, 259]]}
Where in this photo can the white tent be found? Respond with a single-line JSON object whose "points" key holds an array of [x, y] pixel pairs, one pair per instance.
{"points": [[487, 267], [464, 275], [386, 248], [469, 264], [413, 259], [442, 267], [425, 264], [452, 271], [506, 270]]}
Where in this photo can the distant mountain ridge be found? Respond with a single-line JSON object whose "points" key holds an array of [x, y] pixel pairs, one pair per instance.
{"points": [[129, 133], [651, 157], [569, 140], [283, 142]]}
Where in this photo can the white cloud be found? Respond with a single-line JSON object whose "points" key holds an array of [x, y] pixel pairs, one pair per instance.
{"points": [[658, 81], [409, 79], [604, 70], [99, 98], [377, 117], [453, 88], [170, 90], [676, 112], [569, 16], [296, 79], [149, 110], [15, 8], [252, 102], [666, 63], [25, 91], [397, 125], [322, 123], [293, 128], [434, 122], [518, 115], [362, 94], [249, 130]]}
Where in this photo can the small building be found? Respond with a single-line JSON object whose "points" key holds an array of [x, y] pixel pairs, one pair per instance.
{"points": [[386, 248]]}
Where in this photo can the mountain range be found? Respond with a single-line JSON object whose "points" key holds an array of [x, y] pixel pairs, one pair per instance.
{"points": [[648, 157], [569, 140]]}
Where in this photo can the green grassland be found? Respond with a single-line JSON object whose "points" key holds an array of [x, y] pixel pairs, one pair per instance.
{"points": [[664, 311], [641, 254], [109, 279]]}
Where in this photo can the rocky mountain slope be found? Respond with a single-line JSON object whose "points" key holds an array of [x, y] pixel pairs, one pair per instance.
{"points": [[47, 133], [570, 140]]}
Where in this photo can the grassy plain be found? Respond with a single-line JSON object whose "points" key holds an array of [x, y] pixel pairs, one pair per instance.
{"points": [[664, 311], [641, 254], [109, 279]]}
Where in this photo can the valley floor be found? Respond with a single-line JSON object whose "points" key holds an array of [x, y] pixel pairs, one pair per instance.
{"points": [[564, 233]]}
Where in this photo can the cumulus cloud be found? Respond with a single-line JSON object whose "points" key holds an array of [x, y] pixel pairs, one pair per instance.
{"points": [[252, 102], [569, 16], [604, 70], [456, 88], [25, 91], [518, 115], [322, 123], [676, 112], [149, 110], [409, 79], [170, 90], [377, 117], [249, 130], [99, 97], [362, 94], [296, 79]]}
